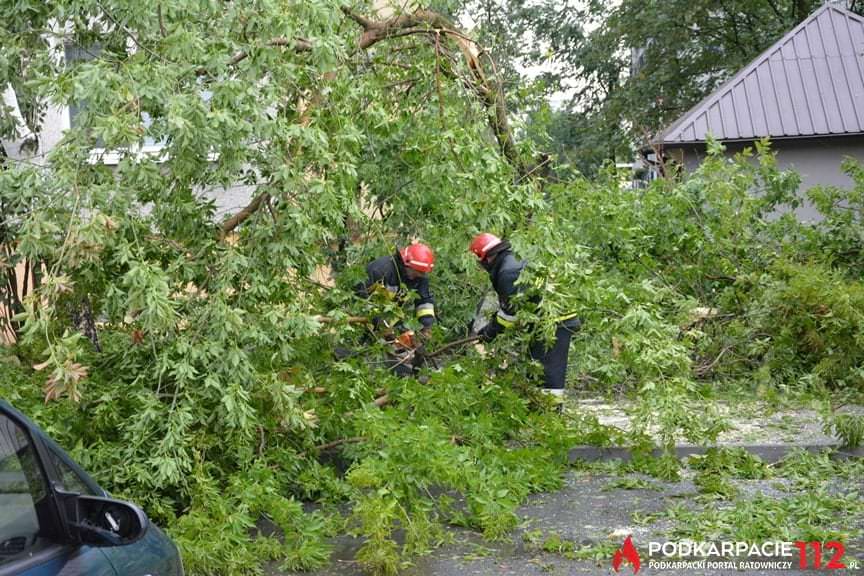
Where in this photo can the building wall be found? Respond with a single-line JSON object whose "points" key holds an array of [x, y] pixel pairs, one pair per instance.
{"points": [[6, 335], [817, 160], [386, 8]]}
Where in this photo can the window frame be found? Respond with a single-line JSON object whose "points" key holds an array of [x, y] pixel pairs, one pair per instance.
{"points": [[153, 150], [51, 527], [72, 53], [54, 450]]}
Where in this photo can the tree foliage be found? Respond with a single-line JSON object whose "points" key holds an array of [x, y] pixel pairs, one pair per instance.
{"points": [[631, 67], [187, 358]]}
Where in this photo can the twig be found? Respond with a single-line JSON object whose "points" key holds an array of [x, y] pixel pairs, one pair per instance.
{"points": [[130, 34], [406, 48], [410, 356], [347, 319], [270, 209], [168, 241], [703, 370], [657, 148], [316, 283], [298, 44], [161, 20], [453, 344], [400, 83], [537, 167], [380, 402], [438, 79]]}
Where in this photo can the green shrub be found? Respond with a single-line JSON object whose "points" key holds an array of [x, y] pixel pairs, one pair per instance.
{"points": [[812, 319]]}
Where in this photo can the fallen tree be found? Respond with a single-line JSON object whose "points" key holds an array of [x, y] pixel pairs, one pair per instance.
{"points": [[216, 396]]}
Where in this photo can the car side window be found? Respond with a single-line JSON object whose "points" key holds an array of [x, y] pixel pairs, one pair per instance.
{"points": [[68, 477], [22, 487]]}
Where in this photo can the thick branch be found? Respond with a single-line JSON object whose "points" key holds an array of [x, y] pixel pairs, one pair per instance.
{"points": [[358, 18], [374, 32], [428, 22], [419, 22], [298, 44], [243, 215]]}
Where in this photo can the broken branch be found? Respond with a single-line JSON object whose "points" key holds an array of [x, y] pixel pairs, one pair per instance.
{"points": [[454, 344], [243, 215], [347, 319]]}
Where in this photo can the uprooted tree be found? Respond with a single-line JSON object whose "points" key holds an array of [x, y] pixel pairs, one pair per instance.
{"points": [[202, 382]]}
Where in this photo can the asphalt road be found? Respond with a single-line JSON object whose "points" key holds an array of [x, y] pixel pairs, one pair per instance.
{"points": [[588, 511]]}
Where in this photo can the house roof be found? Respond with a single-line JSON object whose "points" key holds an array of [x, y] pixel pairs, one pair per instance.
{"points": [[810, 83]]}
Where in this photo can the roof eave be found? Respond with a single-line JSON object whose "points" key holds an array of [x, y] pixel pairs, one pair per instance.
{"points": [[680, 143]]}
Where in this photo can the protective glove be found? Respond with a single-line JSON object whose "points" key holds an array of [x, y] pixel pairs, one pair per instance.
{"points": [[407, 340]]}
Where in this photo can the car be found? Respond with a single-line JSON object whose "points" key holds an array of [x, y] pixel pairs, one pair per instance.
{"points": [[56, 520]]}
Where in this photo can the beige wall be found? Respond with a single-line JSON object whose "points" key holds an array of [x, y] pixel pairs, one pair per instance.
{"points": [[386, 8], [6, 336], [817, 160]]}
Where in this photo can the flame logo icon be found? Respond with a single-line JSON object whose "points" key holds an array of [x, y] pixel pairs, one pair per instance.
{"points": [[627, 552]]}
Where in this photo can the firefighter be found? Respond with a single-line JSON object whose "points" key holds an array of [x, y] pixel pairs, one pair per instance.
{"points": [[394, 275], [497, 258]]}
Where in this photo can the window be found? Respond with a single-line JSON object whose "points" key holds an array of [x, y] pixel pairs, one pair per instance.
{"points": [[73, 54], [149, 144], [22, 486], [69, 479]]}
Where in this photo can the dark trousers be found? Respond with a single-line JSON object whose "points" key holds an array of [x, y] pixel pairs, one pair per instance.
{"points": [[554, 357]]}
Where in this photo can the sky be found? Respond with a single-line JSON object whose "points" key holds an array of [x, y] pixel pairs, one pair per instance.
{"points": [[557, 99]]}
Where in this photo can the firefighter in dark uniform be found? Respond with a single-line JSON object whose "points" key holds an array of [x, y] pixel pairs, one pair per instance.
{"points": [[497, 258], [406, 270]]}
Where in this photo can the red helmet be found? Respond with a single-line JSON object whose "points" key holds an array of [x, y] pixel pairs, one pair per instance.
{"points": [[483, 243], [418, 257]]}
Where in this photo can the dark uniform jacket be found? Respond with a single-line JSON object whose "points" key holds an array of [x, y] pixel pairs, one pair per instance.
{"points": [[388, 273], [504, 272]]}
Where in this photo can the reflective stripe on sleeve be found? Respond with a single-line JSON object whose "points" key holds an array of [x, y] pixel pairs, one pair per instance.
{"points": [[425, 310], [506, 320]]}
